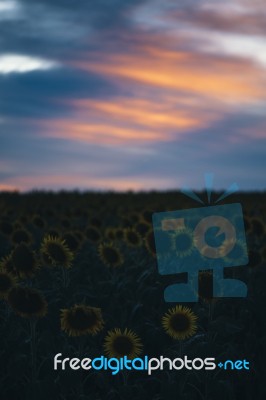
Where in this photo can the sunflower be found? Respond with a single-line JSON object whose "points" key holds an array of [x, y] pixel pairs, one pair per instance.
{"points": [[21, 235], [27, 302], [56, 252], [81, 320], [179, 322], [142, 227], [132, 238], [23, 261], [119, 344], [110, 255], [93, 234], [7, 281], [119, 233], [183, 242]]}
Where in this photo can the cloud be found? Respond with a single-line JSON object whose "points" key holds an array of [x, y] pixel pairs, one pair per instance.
{"points": [[154, 65], [149, 94], [15, 63]]}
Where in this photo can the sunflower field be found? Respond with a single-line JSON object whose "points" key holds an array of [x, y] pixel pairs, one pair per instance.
{"points": [[79, 276]]}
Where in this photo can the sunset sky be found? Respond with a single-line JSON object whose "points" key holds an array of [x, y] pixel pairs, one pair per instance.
{"points": [[132, 94]]}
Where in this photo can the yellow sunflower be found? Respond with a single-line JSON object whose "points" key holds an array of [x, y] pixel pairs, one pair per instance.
{"points": [[27, 302], [56, 252], [119, 344], [110, 255], [179, 322], [183, 241], [81, 320], [132, 238], [7, 281]]}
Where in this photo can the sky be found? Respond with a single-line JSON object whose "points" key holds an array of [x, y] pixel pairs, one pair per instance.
{"points": [[132, 94]]}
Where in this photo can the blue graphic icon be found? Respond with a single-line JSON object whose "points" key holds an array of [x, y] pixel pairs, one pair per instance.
{"points": [[205, 238]]}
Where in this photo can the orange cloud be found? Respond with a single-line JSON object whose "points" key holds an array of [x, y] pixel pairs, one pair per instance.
{"points": [[171, 93], [212, 78], [128, 120]]}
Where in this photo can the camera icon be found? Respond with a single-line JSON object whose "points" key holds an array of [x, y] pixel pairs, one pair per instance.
{"points": [[205, 238]]}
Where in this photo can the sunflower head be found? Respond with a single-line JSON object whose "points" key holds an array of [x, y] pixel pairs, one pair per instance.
{"points": [[142, 227], [118, 343], [81, 320], [23, 261], [27, 302], [110, 255], [21, 235], [183, 242], [179, 322], [132, 238], [7, 282], [56, 252]]}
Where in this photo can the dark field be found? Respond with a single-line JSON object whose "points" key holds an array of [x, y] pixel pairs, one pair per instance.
{"points": [[74, 267]]}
